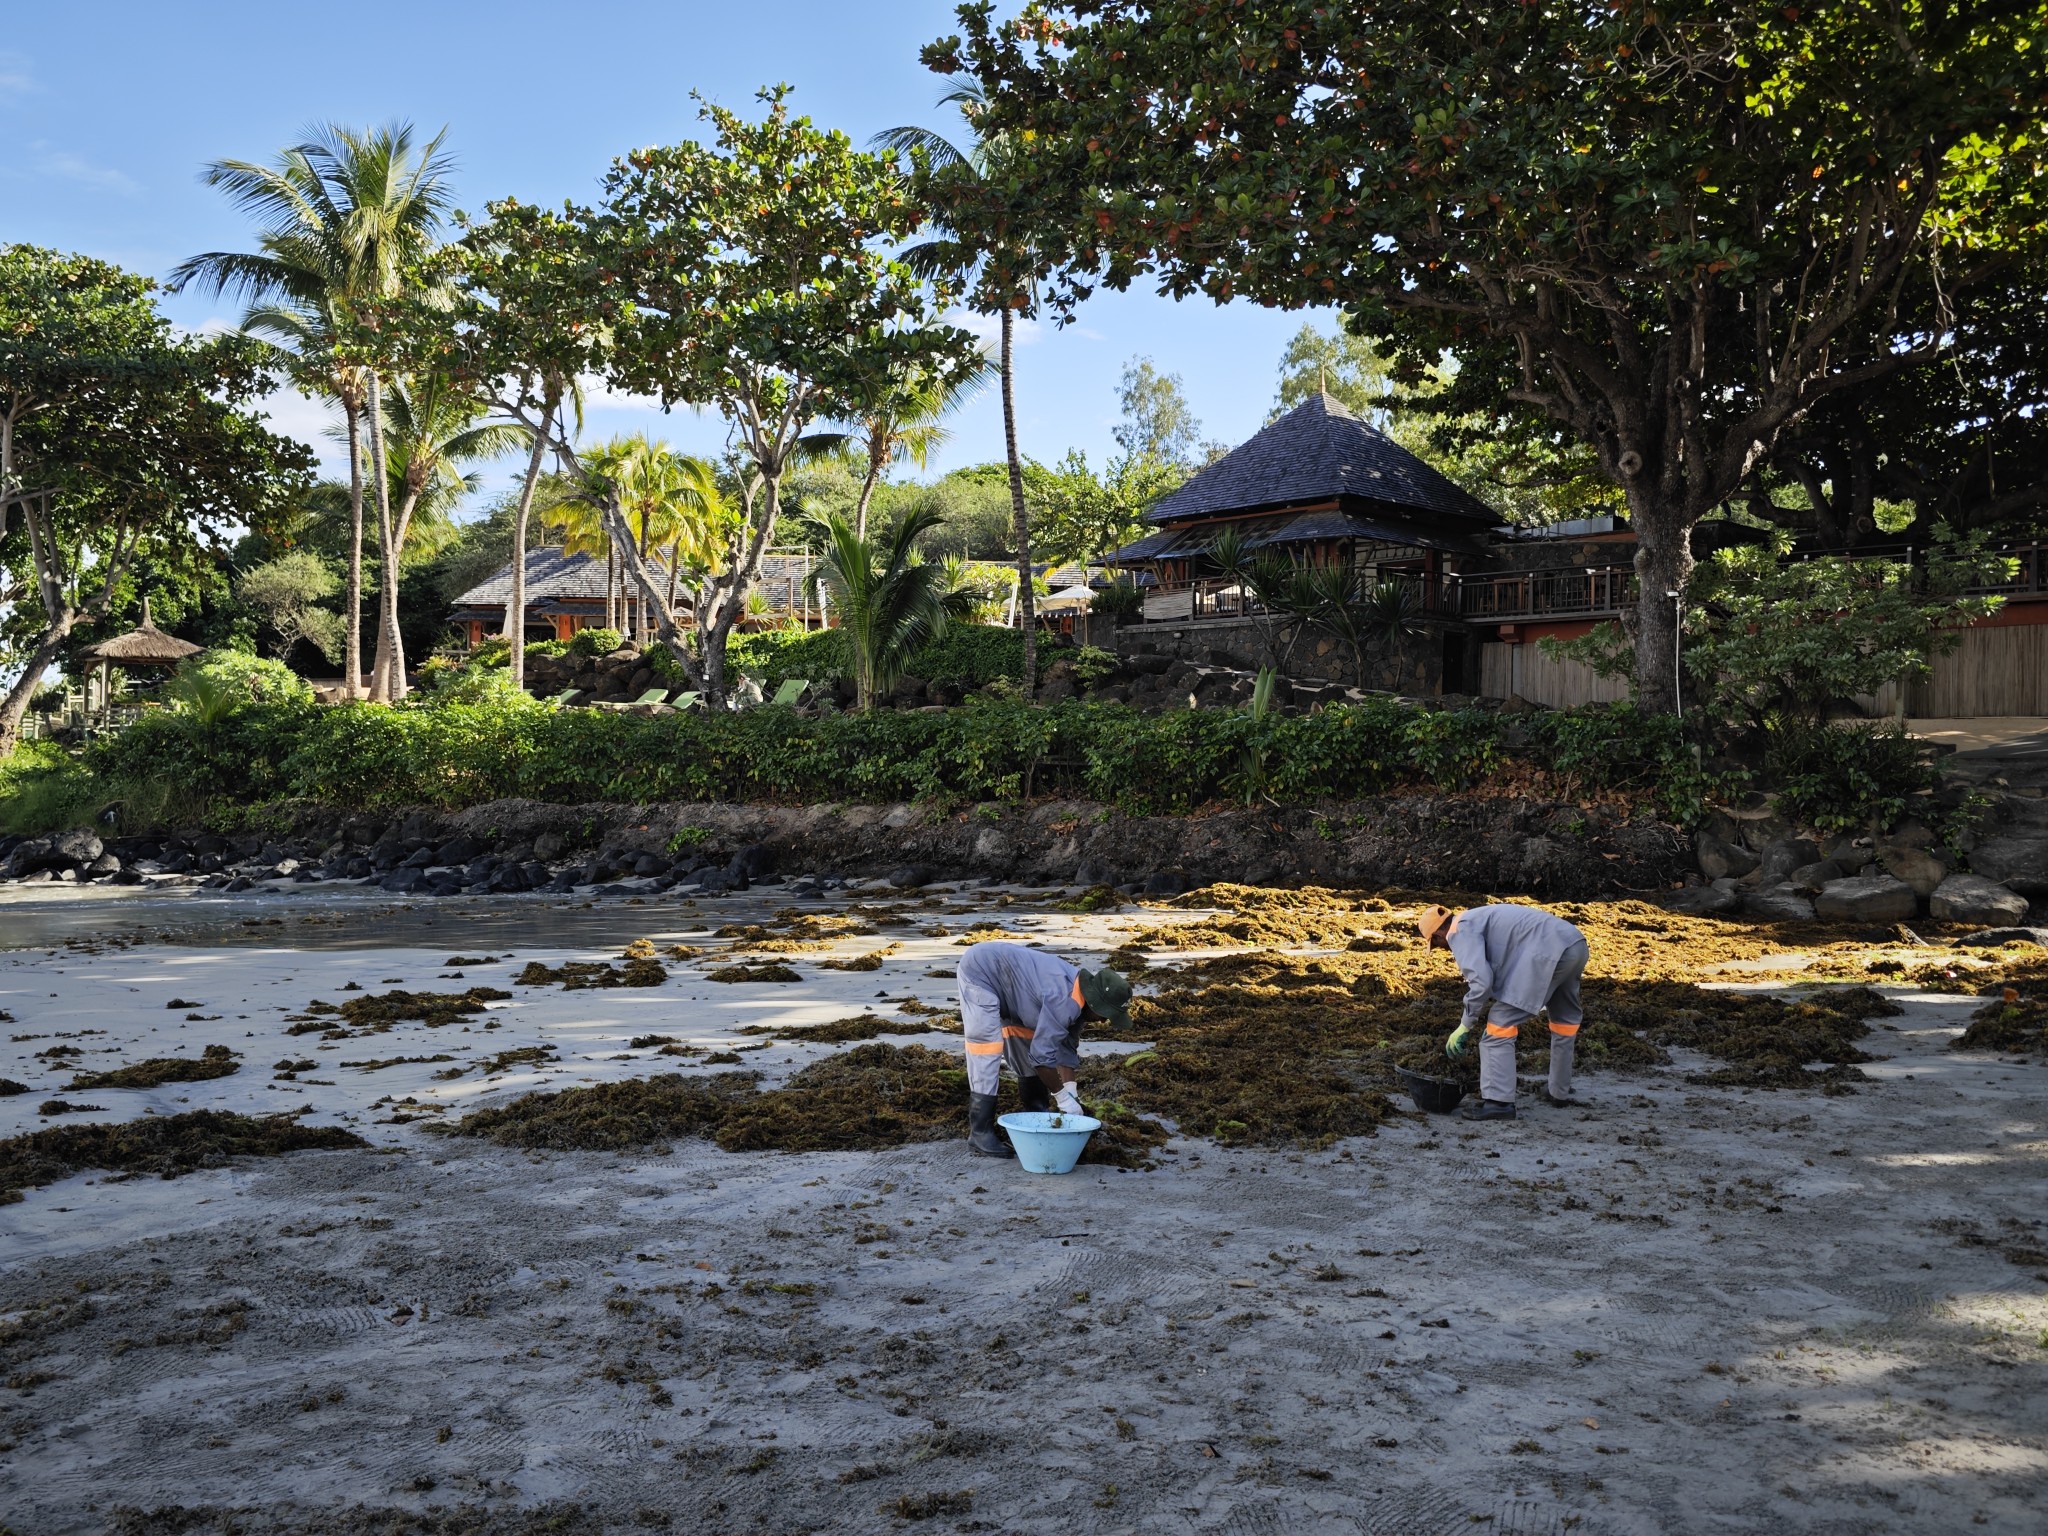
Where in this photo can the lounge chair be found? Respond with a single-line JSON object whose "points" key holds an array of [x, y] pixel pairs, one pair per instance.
{"points": [[791, 690], [564, 697], [690, 699], [653, 696]]}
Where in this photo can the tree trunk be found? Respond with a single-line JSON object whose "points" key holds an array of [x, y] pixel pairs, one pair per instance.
{"points": [[394, 638], [46, 651], [1663, 566], [515, 608], [1020, 519], [867, 494], [352, 669], [387, 582], [611, 585]]}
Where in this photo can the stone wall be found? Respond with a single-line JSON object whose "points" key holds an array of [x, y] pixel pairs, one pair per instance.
{"points": [[1443, 658]]}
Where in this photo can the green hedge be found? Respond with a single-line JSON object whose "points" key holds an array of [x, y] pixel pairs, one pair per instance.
{"points": [[456, 753], [972, 655]]}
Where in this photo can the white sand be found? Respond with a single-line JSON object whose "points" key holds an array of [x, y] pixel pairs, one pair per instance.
{"points": [[1707, 1310]]}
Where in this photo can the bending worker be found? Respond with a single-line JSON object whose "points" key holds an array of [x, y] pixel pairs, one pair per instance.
{"points": [[1517, 962], [1026, 1007]]}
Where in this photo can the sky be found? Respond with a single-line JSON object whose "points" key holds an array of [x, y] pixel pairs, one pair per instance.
{"points": [[109, 112]]}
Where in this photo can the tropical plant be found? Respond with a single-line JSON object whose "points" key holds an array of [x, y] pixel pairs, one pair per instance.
{"points": [[900, 419], [676, 515], [288, 592], [433, 428], [954, 177], [1337, 600], [342, 217], [889, 602], [1121, 600]]}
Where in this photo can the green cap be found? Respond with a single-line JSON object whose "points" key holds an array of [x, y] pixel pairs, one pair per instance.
{"points": [[1107, 995]]}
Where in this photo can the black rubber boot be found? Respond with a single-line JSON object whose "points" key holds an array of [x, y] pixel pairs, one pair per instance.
{"points": [[982, 1139], [1033, 1097], [1486, 1109]]}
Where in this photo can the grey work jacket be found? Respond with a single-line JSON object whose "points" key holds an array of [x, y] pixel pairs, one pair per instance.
{"points": [[1028, 985], [1509, 953]]}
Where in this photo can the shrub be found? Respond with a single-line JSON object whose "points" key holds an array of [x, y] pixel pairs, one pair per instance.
{"points": [[250, 677], [1844, 776], [1093, 665], [1120, 600], [595, 641], [546, 648], [776, 655], [494, 652]]}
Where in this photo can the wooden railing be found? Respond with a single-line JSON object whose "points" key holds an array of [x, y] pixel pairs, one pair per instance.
{"points": [[1572, 594]]}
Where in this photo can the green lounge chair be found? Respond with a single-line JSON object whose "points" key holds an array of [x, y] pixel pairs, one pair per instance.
{"points": [[691, 699], [791, 690], [653, 696], [564, 697]]}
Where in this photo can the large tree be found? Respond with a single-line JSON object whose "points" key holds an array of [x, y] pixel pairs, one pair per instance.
{"points": [[1680, 227], [119, 442], [1005, 274], [342, 220], [758, 275]]}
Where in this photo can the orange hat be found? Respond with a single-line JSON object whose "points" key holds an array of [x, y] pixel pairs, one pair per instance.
{"points": [[1433, 922]]}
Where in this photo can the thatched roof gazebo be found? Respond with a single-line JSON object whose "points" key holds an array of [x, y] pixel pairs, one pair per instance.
{"points": [[145, 646]]}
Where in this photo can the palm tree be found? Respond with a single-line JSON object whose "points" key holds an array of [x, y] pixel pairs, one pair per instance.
{"points": [[889, 601], [981, 162], [901, 421], [340, 216], [672, 505], [435, 428]]}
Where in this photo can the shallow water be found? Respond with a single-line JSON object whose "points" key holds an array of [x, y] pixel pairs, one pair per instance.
{"points": [[315, 917]]}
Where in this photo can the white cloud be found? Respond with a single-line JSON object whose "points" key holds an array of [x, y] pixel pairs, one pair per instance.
{"points": [[15, 79], [988, 329], [48, 160]]}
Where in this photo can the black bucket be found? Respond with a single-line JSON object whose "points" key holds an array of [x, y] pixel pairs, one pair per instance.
{"points": [[1433, 1095]]}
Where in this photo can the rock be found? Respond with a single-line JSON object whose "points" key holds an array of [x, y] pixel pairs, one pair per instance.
{"points": [[32, 857], [1165, 883], [458, 850], [1996, 936], [650, 864], [2018, 862], [420, 858], [77, 847], [1703, 901], [1915, 867], [1760, 830], [1910, 834], [239, 883], [1722, 860], [1786, 855], [404, 882], [910, 877], [1812, 878], [993, 849], [1973, 899], [1780, 904], [756, 860], [549, 845], [1867, 899], [712, 882]]}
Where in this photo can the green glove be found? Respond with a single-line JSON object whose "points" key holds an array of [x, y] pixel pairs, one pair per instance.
{"points": [[1455, 1046]]}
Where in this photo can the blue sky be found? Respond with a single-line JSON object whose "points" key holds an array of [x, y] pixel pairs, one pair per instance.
{"points": [[108, 112]]}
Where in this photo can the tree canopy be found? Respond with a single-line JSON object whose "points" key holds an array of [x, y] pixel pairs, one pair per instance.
{"points": [[1672, 231]]}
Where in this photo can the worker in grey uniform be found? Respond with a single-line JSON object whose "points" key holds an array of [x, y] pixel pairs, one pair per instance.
{"points": [[1517, 962], [1026, 1007]]}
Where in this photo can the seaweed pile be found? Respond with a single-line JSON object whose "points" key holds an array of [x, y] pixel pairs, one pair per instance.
{"points": [[864, 1099], [763, 970], [791, 932], [862, 1026], [376, 1013], [641, 970], [214, 1061], [2015, 1021], [165, 1145]]}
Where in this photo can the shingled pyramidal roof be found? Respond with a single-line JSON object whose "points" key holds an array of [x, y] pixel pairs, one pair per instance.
{"points": [[1317, 452]]}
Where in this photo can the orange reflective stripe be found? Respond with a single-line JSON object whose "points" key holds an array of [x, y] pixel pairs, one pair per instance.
{"points": [[1569, 1031], [1501, 1031], [984, 1047], [1016, 1032]]}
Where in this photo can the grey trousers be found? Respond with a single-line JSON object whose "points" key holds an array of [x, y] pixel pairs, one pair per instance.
{"points": [[1504, 1027]]}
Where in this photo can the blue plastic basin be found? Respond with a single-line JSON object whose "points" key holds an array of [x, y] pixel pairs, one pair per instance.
{"points": [[1049, 1142]]}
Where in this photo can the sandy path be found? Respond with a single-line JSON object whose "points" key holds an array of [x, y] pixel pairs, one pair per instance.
{"points": [[1692, 1309]]}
